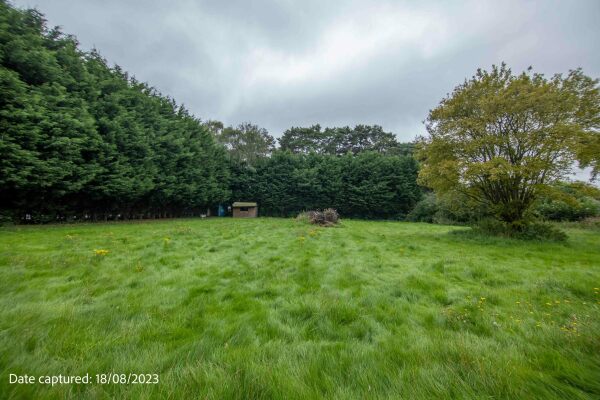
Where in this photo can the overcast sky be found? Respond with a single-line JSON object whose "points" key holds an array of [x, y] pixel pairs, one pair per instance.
{"points": [[296, 63]]}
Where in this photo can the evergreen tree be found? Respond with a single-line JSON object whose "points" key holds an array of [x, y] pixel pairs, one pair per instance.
{"points": [[79, 138]]}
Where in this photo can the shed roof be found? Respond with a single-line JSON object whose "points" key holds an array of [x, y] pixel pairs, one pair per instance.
{"points": [[244, 204]]}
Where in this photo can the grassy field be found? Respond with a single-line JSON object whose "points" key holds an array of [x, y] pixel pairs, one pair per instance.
{"points": [[273, 308]]}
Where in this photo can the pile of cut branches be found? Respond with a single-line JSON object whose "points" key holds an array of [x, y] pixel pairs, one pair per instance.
{"points": [[327, 217]]}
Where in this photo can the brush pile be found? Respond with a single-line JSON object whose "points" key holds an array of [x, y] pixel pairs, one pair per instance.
{"points": [[327, 217]]}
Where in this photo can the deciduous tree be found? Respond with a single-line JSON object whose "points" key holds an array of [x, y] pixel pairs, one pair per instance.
{"points": [[500, 137]]}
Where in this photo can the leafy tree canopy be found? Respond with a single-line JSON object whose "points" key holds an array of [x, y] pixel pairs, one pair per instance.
{"points": [[246, 142], [500, 137], [339, 141]]}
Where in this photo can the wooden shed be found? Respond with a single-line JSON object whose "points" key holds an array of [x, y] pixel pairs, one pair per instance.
{"points": [[244, 209]]}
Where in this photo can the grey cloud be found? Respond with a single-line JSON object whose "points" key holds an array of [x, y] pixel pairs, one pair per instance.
{"points": [[288, 63]]}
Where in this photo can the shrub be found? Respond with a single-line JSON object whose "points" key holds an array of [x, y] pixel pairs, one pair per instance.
{"points": [[491, 226], [524, 230], [569, 202], [450, 208], [541, 231], [425, 210], [573, 210]]}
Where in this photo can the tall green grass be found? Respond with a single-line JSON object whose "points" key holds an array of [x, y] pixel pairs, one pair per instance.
{"points": [[273, 308]]}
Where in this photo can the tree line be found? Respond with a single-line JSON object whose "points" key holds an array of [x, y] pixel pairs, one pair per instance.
{"points": [[80, 139], [361, 172], [365, 185]]}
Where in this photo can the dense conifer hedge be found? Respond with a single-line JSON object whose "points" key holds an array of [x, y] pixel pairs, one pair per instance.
{"points": [[80, 139]]}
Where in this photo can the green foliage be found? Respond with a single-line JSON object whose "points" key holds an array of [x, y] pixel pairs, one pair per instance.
{"points": [[366, 185], [500, 138], [448, 208], [246, 144], [81, 139], [425, 210], [588, 151], [540, 231], [303, 140], [569, 202], [340, 141]]}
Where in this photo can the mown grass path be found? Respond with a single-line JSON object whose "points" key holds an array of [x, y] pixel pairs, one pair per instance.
{"points": [[271, 308]]}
